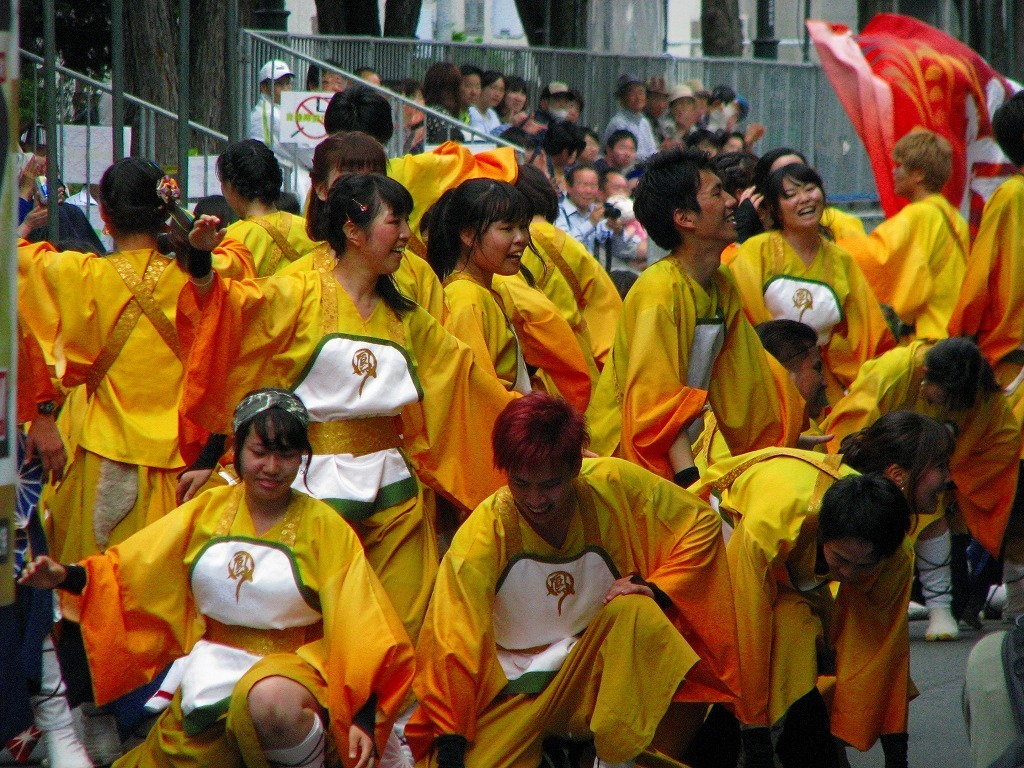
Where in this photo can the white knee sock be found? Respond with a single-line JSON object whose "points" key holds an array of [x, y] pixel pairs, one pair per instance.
{"points": [[309, 753], [1013, 578], [933, 567]]}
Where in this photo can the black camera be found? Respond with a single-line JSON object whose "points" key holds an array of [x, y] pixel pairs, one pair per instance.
{"points": [[611, 212]]}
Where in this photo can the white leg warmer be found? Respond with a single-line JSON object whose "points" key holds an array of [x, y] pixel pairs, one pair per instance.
{"points": [[309, 753]]}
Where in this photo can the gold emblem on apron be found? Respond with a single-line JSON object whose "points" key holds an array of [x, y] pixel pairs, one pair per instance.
{"points": [[364, 363], [803, 300], [561, 583], [242, 567]]}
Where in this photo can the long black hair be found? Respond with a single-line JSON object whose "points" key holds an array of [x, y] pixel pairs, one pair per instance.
{"points": [[129, 200]]}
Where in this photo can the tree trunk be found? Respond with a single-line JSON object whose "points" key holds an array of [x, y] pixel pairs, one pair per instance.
{"points": [[348, 17], [568, 22], [401, 17], [208, 97], [721, 33], [151, 70], [1016, 69]]}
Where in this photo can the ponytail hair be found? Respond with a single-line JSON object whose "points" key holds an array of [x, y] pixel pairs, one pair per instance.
{"points": [[359, 198], [129, 199]]}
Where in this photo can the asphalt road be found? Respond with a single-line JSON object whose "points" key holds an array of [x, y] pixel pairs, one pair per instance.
{"points": [[938, 738]]}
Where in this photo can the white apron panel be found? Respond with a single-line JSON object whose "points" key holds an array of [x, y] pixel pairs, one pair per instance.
{"points": [[245, 583], [209, 674], [806, 301], [708, 340], [356, 378], [353, 478], [543, 604]]}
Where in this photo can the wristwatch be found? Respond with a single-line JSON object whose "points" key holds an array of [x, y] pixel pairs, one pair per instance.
{"points": [[47, 408]]}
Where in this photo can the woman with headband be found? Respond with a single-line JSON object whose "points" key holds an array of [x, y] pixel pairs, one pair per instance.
{"points": [[296, 647]]}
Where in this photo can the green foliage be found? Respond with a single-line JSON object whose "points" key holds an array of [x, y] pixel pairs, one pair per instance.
{"points": [[83, 33]]}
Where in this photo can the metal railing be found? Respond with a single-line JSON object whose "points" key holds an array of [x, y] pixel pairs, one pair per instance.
{"points": [[258, 47], [84, 138], [795, 101]]}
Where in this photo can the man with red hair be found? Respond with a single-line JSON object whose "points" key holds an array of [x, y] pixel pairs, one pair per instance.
{"points": [[573, 603]]}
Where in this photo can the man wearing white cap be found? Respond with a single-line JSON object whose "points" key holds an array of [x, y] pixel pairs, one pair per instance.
{"points": [[265, 119]]}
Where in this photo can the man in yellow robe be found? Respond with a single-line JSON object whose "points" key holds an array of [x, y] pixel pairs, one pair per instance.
{"points": [[915, 261], [803, 520], [682, 339], [575, 602]]}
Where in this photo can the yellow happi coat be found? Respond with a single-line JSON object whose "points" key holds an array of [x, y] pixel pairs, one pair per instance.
{"points": [[677, 348], [574, 280], [915, 262], [987, 437], [633, 523], [785, 607], [831, 295], [388, 394], [275, 240], [139, 612]]}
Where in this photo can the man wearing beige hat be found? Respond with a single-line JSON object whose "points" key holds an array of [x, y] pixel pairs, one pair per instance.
{"points": [[682, 106], [632, 96], [555, 101]]}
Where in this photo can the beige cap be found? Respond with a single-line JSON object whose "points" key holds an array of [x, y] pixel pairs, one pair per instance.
{"points": [[681, 91], [274, 70]]}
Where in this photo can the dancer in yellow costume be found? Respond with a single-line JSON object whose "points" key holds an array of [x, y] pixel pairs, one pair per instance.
{"points": [[795, 346], [952, 382], [585, 600], [251, 180], [795, 272], [570, 276], [357, 152], [802, 520], [113, 321], [479, 230], [915, 261], [682, 339], [991, 300], [390, 392], [297, 648]]}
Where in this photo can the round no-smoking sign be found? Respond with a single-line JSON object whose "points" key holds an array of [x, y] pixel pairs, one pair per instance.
{"points": [[304, 117]]}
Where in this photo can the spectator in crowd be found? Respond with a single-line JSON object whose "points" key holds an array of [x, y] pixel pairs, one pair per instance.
{"points": [[368, 75], [704, 140], [412, 118], [682, 105], [324, 80], [702, 96], [275, 78], [359, 108], [215, 205], [620, 152], [512, 109], [578, 213], [563, 143], [469, 89], [632, 95], [442, 85], [623, 239], [575, 106], [656, 108], [532, 146], [483, 114], [555, 103], [721, 109], [733, 141], [592, 149]]}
